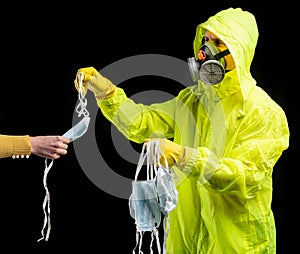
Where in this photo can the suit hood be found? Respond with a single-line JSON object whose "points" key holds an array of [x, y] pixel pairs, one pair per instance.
{"points": [[238, 30]]}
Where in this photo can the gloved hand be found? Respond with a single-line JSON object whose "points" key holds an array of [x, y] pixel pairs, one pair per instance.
{"points": [[94, 81], [170, 150]]}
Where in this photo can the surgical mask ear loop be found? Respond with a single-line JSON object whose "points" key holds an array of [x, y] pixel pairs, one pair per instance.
{"points": [[154, 162], [46, 202], [81, 107], [150, 153], [147, 154], [82, 111], [166, 221]]}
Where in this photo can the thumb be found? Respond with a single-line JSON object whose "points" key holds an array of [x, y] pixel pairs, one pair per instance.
{"points": [[78, 88]]}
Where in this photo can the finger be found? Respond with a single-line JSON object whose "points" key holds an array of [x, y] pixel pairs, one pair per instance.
{"points": [[55, 156], [76, 84], [63, 146], [65, 140], [61, 151], [82, 87]]}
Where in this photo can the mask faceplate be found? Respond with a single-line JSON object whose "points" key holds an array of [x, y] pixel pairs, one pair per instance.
{"points": [[210, 66]]}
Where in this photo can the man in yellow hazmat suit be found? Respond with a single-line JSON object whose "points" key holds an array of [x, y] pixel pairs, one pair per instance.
{"points": [[226, 138]]}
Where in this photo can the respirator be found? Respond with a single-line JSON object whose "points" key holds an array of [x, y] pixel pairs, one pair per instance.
{"points": [[210, 66]]}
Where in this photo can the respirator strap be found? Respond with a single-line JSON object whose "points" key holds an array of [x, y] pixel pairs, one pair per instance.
{"points": [[222, 54]]}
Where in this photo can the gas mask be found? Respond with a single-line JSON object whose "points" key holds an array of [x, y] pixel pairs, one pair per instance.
{"points": [[210, 66]]}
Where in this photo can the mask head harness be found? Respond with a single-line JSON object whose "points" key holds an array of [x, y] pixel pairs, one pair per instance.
{"points": [[210, 66]]}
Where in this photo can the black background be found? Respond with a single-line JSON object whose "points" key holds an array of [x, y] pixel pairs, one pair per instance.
{"points": [[42, 48]]}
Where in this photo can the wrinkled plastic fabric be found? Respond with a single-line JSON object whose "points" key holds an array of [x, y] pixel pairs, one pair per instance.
{"points": [[238, 133]]}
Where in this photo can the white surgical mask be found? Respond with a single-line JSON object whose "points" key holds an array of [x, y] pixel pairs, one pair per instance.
{"points": [[74, 133], [166, 190], [78, 130], [153, 196]]}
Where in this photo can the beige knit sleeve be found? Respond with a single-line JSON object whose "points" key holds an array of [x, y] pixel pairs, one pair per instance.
{"points": [[15, 146]]}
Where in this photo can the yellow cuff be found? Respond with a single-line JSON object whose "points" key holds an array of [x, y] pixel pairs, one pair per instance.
{"points": [[15, 146], [21, 146], [107, 92], [185, 154]]}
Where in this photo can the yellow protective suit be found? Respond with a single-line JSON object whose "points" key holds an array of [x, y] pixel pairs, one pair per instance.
{"points": [[238, 133]]}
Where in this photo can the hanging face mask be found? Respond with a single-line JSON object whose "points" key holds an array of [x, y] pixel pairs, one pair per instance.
{"points": [[143, 201], [210, 66], [166, 191], [81, 127], [74, 133], [153, 196], [143, 205], [78, 130]]}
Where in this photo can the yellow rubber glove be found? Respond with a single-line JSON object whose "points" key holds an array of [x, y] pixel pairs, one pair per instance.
{"points": [[169, 149], [175, 154], [94, 81]]}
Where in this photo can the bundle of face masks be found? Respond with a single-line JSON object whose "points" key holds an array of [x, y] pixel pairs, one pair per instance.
{"points": [[153, 197]]}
